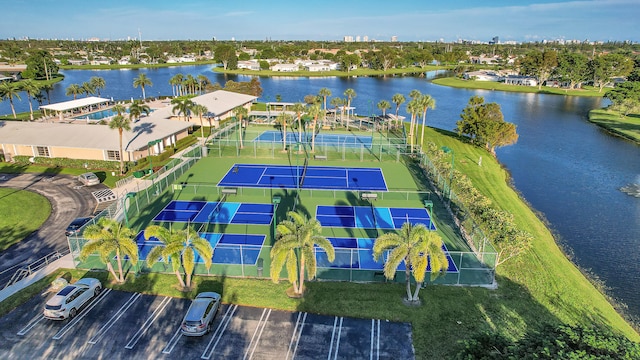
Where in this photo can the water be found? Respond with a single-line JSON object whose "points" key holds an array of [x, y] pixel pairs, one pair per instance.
{"points": [[567, 168]]}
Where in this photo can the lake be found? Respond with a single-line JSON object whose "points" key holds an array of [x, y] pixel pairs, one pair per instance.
{"points": [[566, 168]]}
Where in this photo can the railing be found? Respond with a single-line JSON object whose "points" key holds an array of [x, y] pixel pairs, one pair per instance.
{"points": [[27, 270]]}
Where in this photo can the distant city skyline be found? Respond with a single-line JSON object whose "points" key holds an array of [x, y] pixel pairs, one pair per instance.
{"points": [[521, 21]]}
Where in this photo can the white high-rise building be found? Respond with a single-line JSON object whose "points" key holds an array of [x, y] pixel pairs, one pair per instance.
{"points": [[394, 38], [348, 38], [365, 38]]}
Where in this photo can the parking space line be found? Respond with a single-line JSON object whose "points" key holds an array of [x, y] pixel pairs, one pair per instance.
{"points": [[173, 342], [147, 324], [297, 334], [217, 335], [375, 339], [84, 313], [30, 325], [103, 330], [262, 323], [337, 338]]}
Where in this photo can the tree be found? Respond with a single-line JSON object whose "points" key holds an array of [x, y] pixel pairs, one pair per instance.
{"points": [[226, 54], [98, 83], [484, 124], [200, 110], [87, 88], [398, 99], [203, 82], [348, 61], [295, 250], [413, 108], [314, 111], [240, 112], [176, 84], [384, 105], [179, 246], [416, 247], [9, 91], [106, 237], [324, 92], [572, 67], [32, 89], [142, 81], [182, 105], [40, 65], [426, 102], [349, 94], [284, 120], [299, 108], [121, 123], [337, 103], [136, 110], [605, 67], [73, 90], [539, 64]]}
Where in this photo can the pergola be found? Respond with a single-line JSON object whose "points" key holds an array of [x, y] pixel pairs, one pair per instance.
{"points": [[71, 105]]}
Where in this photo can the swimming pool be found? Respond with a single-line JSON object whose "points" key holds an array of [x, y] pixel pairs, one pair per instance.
{"points": [[102, 114]]}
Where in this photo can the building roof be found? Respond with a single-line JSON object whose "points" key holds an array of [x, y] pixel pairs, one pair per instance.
{"points": [[4, 67], [88, 136], [222, 101], [74, 104]]}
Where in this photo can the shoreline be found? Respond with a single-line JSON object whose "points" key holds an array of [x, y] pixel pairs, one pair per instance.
{"points": [[495, 86]]}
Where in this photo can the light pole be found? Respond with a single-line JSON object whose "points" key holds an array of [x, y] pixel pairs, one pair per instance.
{"points": [[449, 150], [124, 206], [149, 145], [297, 147]]}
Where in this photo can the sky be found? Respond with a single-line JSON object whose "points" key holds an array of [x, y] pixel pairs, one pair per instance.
{"points": [[409, 20]]}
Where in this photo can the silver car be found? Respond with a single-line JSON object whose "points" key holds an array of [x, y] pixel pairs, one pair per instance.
{"points": [[68, 301], [199, 317], [89, 179]]}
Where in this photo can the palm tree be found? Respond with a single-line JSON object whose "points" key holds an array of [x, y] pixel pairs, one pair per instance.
{"points": [[175, 83], [295, 249], [284, 120], [106, 237], [384, 105], [47, 89], [427, 102], [9, 91], [118, 109], [337, 102], [121, 123], [190, 83], [142, 81], [314, 111], [415, 94], [299, 108], [350, 94], [416, 246], [203, 82], [137, 108], [32, 89], [324, 92], [200, 110], [240, 112], [413, 108], [73, 90], [180, 248], [182, 105], [87, 88], [98, 83], [398, 99]]}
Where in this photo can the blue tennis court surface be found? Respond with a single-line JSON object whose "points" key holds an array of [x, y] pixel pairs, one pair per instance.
{"points": [[366, 217], [216, 212], [346, 140], [315, 177], [357, 253], [236, 249]]}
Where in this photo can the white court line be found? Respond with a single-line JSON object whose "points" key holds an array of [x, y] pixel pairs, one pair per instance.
{"points": [[84, 313], [297, 334], [217, 335], [372, 331], [378, 342], [375, 339], [338, 339], [103, 330], [30, 325], [172, 343], [261, 325], [145, 326]]}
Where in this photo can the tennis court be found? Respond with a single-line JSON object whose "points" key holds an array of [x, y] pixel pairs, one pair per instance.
{"points": [[343, 140], [357, 253], [236, 249], [308, 177], [214, 212], [368, 217]]}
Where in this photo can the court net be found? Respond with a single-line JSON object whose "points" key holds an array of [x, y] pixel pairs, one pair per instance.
{"points": [[304, 170]]}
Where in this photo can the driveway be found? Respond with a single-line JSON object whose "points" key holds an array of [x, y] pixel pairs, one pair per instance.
{"points": [[68, 200]]}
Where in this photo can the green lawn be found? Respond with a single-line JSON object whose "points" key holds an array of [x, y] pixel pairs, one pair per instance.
{"points": [[627, 127], [491, 85], [21, 213]]}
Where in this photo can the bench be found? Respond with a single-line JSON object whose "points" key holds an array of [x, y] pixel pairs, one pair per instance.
{"points": [[229, 191], [320, 157], [369, 196]]}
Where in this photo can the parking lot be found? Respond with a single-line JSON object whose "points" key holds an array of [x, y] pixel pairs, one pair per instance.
{"points": [[121, 325]]}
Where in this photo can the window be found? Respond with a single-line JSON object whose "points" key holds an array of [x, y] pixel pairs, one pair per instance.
{"points": [[113, 155], [42, 151]]}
